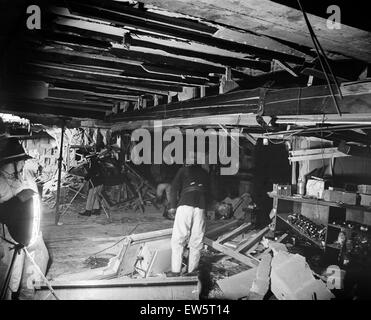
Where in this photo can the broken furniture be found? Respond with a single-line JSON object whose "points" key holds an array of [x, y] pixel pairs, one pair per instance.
{"points": [[156, 288], [114, 282], [109, 283], [245, 246]]}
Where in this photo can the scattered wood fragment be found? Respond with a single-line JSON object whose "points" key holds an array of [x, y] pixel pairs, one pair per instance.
{"points": [[230, 252]]}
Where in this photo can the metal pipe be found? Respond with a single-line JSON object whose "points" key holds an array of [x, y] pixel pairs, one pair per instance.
{"points": [[60, 159]]}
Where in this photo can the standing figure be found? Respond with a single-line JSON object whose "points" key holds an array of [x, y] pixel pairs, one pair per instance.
{"points": [[163, 175], [192, 183], [95, 180]]}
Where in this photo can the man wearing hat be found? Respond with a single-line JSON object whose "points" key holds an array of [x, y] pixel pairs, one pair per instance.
{"points": [[192, 183], [12, 161], [12, 182]]}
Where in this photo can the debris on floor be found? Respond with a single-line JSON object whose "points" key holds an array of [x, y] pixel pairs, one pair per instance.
{"points": [[292, 279], [238, 285]]}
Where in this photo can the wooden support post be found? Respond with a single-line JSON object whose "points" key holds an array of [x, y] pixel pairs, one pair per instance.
{"points": [[60, 160], [202, 91], [310, 81], [155, 100], [293, 173], [115, 108], [226, 82]]}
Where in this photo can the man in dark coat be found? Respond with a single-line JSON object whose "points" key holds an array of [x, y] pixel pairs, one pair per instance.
{"points": [[95, 178], [192, 183]]}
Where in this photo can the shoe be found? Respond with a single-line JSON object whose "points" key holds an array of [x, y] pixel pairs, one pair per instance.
{"points": [[171, 274], [191, 274], [96, 212], [86, 213]]}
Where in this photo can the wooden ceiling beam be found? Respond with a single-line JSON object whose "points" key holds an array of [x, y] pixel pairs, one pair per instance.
{"points": [[293, 101], [37, 108], [227, 60], [125, 71], [79, 73], [98, 88], [264, 17], [59, 53], [99, 84], [157, 58], [122, 18]]}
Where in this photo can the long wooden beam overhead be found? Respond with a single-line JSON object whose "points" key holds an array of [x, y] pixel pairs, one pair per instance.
{"points": [[32, 107], [268, 18], [122, 15], [293, 101], [170, 46], [62, 55]]}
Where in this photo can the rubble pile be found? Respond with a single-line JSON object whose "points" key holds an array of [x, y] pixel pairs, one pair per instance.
{"points": [[70, 185]]}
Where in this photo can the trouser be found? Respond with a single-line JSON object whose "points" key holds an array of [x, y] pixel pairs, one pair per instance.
{"points": [[161, 188], [189, 225], [92, 202]]}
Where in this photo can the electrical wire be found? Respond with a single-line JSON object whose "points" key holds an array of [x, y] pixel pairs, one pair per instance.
{"points": [[318, 48], [116, 243]]}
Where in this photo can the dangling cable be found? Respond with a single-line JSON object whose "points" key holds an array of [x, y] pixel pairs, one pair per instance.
{"points": [[318, 48]]}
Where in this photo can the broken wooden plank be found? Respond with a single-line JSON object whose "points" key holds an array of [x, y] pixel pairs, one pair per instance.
{"points": [[234, 233], [319, 156], [119, 17], [229, 252], [255, 239], [155, 288], [214, 232]]}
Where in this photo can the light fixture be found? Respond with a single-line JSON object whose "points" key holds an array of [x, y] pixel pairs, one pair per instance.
{"points": [[22, 215]]}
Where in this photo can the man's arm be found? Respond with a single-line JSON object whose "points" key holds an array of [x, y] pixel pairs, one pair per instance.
{"points": [[175, 188]]}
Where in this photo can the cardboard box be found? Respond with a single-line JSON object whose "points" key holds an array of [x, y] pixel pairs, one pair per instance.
{"points": [[349, 198], [315, 188], [332, 195], [340, 196], [282, 189], [365, 200], [355, 215]]}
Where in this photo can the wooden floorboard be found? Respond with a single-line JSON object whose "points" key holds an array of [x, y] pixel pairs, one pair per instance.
{"points": [[79, 237]]}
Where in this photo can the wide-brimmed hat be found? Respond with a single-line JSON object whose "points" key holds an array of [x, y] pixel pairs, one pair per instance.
{"points": [[11, 151]]}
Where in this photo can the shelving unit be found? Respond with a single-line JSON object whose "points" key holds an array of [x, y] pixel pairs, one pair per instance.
{"points": [[313, 241], [283, 206], [319, 202]]}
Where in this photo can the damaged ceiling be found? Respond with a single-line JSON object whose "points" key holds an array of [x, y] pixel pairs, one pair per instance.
{"points": [[120, 61]]}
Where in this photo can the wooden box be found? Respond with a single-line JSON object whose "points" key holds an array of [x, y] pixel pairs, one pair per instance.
{"points": [[365, 200], [315, 188], [364, 188]]}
